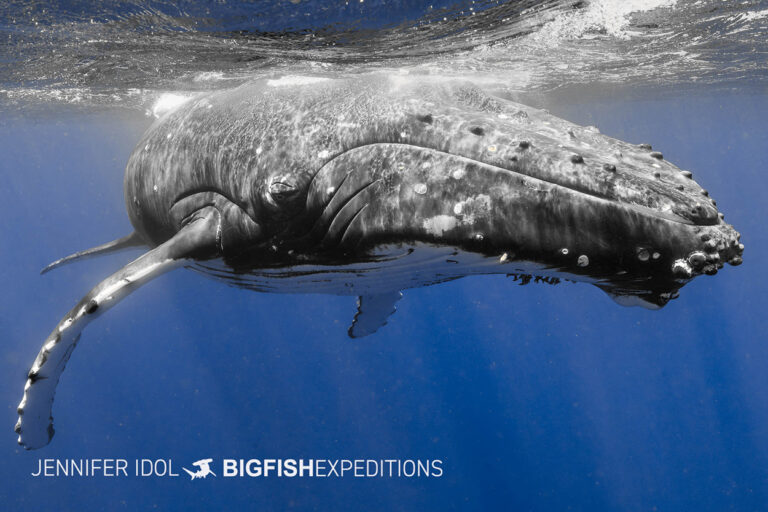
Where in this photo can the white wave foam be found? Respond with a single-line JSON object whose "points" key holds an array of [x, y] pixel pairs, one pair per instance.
{"points": [[72, 95], [743, 21], [168, 102], [609, 17], [754, 15], [295, 80], [208, 76]]}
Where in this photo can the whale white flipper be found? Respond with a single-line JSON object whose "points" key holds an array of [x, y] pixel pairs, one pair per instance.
{"points": [[372, 313], [35, 424]]}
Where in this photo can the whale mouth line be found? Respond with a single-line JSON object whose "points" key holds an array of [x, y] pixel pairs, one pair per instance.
{"points": [[640, 209]]}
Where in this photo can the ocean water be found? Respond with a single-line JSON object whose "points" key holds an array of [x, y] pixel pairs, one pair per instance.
{"points": [[532, 397]]}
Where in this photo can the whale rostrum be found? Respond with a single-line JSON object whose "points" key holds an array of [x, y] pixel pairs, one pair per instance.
{"points": [[377, 184]]}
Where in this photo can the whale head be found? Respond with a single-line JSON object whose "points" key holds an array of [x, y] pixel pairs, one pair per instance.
{"points": [[455, 167]]}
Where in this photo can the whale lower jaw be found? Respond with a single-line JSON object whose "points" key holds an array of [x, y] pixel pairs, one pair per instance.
{"points": [[398, 267], [386, 268]]}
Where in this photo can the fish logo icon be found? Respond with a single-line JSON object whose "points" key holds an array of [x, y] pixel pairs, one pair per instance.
{"points": [[203, 469]]}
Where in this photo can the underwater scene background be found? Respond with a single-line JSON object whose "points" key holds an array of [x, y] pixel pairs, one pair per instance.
{"points": [[537, 397]]}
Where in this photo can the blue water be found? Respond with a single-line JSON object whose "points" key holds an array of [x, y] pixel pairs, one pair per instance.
{"points": [[534, 398], [537, 397]]}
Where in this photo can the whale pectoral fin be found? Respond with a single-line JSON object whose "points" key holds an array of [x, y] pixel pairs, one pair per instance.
{"points": [[372, 313], [126, 242], [197, 239]]}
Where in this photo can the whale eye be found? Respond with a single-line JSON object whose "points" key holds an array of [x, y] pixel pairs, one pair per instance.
{"points": [[282, 191]]}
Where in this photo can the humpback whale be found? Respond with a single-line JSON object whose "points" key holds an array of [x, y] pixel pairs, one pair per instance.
{"points": [[373, 185]]}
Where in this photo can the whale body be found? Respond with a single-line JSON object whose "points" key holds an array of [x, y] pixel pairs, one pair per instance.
{"points": [[373, 185]]}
